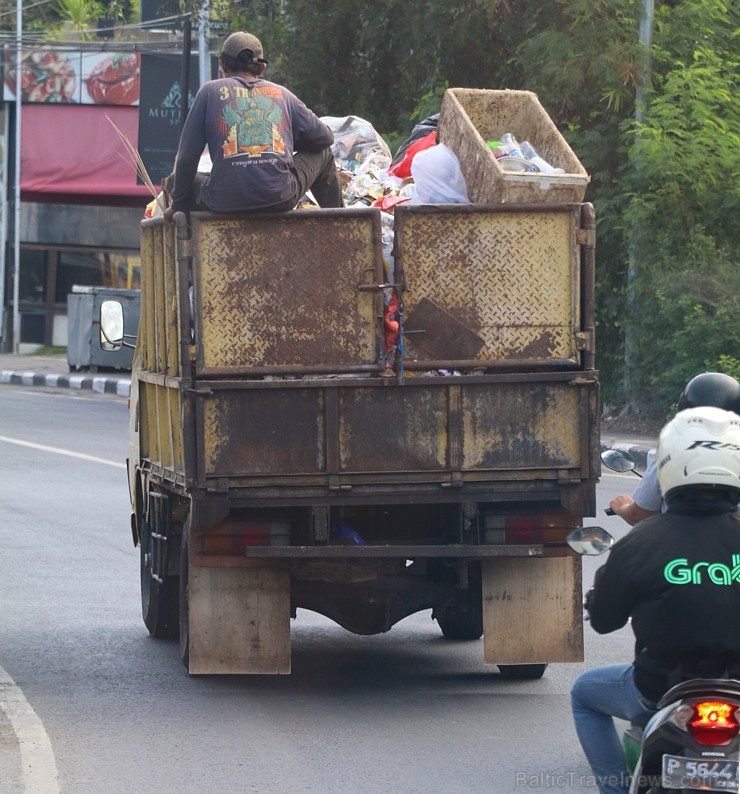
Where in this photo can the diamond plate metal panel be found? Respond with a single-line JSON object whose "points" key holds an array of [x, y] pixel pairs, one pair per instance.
{"points": [[510, 276], [282, 291], [522, 425]]}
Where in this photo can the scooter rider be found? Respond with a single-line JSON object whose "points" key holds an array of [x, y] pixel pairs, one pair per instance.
{"points": [[707, 389], [677, 575]]}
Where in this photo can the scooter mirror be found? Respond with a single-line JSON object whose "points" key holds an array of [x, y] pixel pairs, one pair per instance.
{"points": [[590, 541], [617, 460]]}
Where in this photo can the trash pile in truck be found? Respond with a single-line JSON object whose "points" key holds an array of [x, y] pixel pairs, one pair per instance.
{"points": [[483, 147], [422, 170]]}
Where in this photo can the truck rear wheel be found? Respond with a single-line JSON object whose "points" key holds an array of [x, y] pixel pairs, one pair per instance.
{"points": [[159, 599], [460, 623], [522, 672]]}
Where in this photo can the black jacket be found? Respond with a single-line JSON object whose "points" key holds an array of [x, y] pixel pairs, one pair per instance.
{"points": [[678, 578]]}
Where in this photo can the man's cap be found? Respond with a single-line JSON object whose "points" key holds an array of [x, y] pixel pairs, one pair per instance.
{"points": [[237, 42]]}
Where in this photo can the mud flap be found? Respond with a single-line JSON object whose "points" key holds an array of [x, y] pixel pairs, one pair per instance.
{"points": [[239, 621], [532, 611]]}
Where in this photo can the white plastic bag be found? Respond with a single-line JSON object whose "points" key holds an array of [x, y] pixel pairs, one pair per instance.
{"points": [[357, 146], [438, 178]]}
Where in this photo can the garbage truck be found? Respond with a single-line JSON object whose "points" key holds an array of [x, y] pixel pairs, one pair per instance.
{"points": [[280, 459], [323, 421]]}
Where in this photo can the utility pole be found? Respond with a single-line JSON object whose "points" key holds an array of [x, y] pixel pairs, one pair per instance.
{"points": [[643, 86], [17, 186], [204, 57]]}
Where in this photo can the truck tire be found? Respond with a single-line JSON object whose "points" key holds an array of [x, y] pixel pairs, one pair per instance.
{"points": [[184, 615], [522, 672], [460, 623], [159, 600]]}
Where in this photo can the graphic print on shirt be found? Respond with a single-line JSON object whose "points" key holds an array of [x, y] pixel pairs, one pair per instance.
{"points": [[252, 123]]}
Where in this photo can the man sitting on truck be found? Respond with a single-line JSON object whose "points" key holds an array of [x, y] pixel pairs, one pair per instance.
{"points": [[266, 146]]}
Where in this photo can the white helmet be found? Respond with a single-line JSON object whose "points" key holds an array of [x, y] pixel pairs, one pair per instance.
{"points": [[700, 446]]}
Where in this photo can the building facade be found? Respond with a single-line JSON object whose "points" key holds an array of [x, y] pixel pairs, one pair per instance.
{"points": [[81, 200]]}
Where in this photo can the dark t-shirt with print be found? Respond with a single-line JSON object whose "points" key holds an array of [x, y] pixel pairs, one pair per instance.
{"points": [[252, 130]]}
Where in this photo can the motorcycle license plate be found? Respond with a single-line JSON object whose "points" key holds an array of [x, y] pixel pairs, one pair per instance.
{"points": [[703, 775]]}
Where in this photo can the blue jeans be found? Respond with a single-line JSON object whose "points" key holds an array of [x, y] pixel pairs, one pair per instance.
{"points": [[597, 696]]}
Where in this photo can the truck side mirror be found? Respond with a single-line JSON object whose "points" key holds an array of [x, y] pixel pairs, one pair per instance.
{"points": [[111, 325]]}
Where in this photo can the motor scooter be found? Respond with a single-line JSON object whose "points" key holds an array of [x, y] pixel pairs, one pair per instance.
{"points": [[692, 742]]}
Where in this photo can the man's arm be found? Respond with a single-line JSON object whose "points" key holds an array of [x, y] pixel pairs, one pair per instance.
{"points": [[627, 508], [614, 593], [192, 142], [646, 500], [310, 134]]}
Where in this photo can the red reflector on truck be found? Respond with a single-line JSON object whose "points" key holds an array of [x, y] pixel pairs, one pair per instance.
{"points": [[523, 536], [257, 535], [264, 533], [523, 529], [235, 535], [528, 528]]}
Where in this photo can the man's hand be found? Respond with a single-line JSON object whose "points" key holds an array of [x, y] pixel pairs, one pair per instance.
{"points": [[169, 214], [627, 509]]}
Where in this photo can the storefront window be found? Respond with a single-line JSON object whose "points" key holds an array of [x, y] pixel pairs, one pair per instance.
{"points": [[117, 270], [32, 281]]}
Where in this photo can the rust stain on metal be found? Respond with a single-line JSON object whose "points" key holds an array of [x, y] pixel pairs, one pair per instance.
{"points": [[273, 292], [525, 425], [511, 277], [261, 432]]}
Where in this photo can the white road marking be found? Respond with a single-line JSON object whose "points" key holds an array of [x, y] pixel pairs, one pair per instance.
{"points": [[59, 451], [39, 767]]}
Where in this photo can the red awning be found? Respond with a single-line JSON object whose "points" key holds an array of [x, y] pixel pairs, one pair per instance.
{"points": [[72, 153]]}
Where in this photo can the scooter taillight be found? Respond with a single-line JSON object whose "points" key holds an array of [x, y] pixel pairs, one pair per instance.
{"points": [[714, 722]]}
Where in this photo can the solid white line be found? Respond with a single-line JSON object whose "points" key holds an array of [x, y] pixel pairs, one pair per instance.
{"points": [[59, 451], [39, 768]]}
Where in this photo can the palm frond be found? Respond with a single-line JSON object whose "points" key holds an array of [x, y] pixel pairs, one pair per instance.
{"points": [[138, 164]]}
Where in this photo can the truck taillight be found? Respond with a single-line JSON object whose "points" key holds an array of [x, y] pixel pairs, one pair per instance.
{"points": [[235, 535], [714, 722], [525, 529], [518, 529]]}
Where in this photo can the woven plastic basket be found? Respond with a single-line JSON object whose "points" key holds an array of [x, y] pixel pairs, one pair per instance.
{"points": [[470, 117]]}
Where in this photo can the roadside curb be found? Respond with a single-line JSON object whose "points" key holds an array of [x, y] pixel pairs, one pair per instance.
{"points": [[119, 386]]}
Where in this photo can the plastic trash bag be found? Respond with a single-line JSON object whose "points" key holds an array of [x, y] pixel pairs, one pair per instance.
{"points": [[356, 143], [402, 169], [438, 178], [420, 130]]}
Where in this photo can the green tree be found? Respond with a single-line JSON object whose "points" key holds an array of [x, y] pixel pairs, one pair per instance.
{"points": [[685, 204], [583, 60]]}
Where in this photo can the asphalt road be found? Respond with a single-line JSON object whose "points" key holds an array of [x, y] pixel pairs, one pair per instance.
{"points": [[89, 704]]}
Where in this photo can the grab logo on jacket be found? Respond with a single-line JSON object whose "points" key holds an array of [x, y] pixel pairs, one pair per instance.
{"points": [[679, 571]]}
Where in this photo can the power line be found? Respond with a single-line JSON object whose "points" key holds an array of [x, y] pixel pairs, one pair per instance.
{"points": [[32, 40]]}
